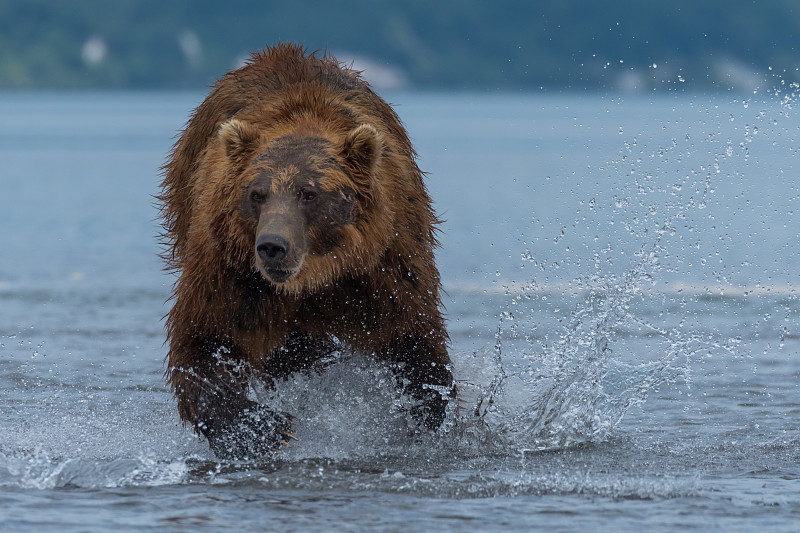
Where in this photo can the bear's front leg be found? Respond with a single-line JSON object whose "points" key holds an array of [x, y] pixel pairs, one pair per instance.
{"points": [[423, 369], [212, 396]]}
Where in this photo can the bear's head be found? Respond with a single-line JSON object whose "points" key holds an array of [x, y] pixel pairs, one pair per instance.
{"points": [[310, 200]]}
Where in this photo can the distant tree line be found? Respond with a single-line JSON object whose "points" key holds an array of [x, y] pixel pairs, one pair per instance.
{"points": [[446, 44]]}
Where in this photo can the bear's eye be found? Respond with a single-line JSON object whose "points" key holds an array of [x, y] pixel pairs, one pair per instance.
{"points": [[257, 197], [308, 196]]}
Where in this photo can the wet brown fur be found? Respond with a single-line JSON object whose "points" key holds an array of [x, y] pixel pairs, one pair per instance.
{"points": [[377, 291]]}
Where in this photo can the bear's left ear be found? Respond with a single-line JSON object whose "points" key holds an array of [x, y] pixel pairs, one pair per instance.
{"points": [[362, 146], [237, 137]]}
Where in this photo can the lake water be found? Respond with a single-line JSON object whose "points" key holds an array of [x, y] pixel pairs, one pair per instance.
{"points": [[620, 277]]}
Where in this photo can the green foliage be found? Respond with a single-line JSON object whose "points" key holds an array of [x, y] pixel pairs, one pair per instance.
{"points": [[448, 44]]}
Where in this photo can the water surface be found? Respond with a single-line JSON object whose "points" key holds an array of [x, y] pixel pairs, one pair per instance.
{"points": [[620, 279]]}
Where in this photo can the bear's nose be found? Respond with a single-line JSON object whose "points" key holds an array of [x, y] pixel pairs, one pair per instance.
{"points": [[272, 248]]}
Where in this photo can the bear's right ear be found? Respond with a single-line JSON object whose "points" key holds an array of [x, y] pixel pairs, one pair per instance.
{"points": [[237, 137]]}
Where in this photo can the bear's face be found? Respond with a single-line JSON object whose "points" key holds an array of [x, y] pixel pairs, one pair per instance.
{"points": [[303, 195], [298, 204]]}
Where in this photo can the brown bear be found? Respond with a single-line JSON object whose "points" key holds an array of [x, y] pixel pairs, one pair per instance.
{"points": [[298, 220]]}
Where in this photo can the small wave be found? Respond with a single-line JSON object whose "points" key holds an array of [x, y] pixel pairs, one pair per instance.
{"points": [[40, 470]]}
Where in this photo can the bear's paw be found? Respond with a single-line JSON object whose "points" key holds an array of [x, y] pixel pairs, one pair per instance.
{"points": [[256, 434]]}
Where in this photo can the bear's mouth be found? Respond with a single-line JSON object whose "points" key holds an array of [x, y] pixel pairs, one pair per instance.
{"points": [[277, 275]]}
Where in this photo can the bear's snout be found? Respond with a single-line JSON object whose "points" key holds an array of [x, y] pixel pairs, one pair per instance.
{"points": [[280, 256], [272, 249]]}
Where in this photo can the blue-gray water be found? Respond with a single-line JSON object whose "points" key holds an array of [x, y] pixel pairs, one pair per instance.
{"points": [[621, 279]]}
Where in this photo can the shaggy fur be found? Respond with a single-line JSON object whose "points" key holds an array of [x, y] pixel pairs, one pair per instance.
{"points": [[296, 142]]}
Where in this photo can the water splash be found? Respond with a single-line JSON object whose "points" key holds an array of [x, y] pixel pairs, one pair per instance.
{"points": [[349, 409], [605, 360], [608, 355]]}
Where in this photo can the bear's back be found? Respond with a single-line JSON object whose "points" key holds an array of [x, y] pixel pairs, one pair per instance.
{"points": [[277, 68]]}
